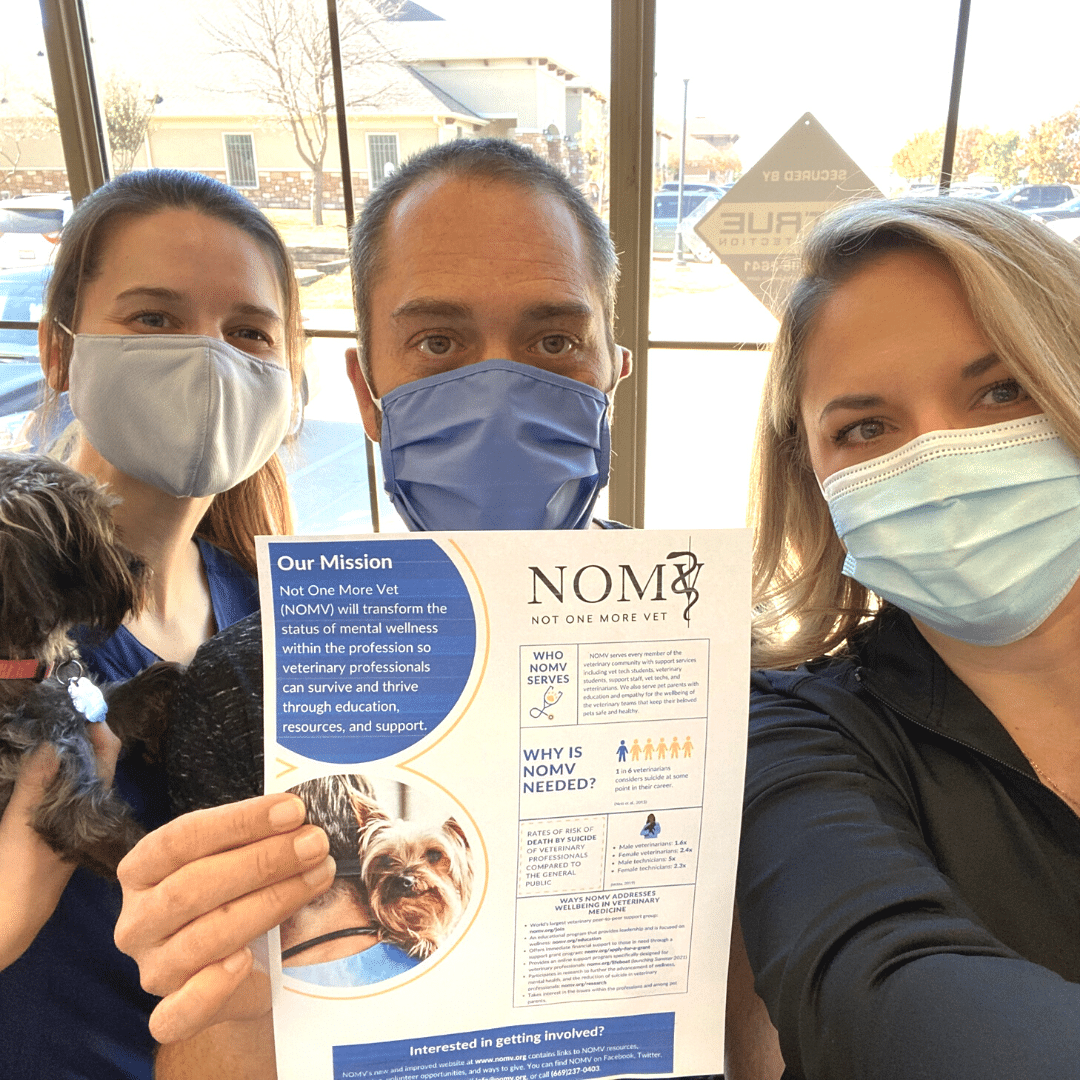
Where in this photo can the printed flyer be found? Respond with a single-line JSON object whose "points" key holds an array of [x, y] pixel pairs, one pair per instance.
{"points": [[528, 751]]}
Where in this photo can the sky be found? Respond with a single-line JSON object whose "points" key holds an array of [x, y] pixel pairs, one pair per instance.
{"points": [[872, 73]]}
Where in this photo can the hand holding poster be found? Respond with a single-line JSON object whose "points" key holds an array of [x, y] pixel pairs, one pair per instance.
{"points": [[528, 752]]}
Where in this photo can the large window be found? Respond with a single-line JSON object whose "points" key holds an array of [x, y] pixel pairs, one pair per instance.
{"points": [[726, 87]]}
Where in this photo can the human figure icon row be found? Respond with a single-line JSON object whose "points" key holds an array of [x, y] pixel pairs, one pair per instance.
{"points": [[661, 750]]}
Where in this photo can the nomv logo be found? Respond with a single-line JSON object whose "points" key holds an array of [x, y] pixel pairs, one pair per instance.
{"points": [[594, 583]]}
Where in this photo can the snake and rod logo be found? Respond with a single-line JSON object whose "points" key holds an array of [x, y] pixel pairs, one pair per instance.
{"points": [[594, 583]]}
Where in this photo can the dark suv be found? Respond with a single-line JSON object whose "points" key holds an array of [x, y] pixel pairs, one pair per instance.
{"points": [[1034, 196]]}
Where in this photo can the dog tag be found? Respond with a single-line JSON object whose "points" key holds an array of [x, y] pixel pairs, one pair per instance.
{"points": [[88, 699]]}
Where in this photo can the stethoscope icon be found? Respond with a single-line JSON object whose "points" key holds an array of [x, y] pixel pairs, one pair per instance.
{"points": [[550, 700]]}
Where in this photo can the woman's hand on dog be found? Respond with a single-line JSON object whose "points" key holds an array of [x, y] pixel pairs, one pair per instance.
{"points": [[198, 890], [32, 875]]}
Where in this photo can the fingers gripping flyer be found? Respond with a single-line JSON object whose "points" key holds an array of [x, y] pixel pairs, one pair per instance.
{"points": [[527, 750]]}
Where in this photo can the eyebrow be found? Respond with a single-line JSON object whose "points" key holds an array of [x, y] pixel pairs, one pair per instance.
{"points": [[159, 292], [971, 370], [976, 368], [852, 401], [569, 309], [430, 307]]}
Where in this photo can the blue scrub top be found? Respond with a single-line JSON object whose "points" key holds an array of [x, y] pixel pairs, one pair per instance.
{"points": [[72, 1005]]}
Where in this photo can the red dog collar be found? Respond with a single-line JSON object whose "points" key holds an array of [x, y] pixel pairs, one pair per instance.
{"points": [[24, 669]]}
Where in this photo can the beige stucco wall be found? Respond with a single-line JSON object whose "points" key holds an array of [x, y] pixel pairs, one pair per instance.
{"points": [[196, 143], [43, 153]]}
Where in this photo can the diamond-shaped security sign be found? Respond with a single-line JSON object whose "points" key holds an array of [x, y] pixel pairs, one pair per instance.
{"points": [[754, 226]]}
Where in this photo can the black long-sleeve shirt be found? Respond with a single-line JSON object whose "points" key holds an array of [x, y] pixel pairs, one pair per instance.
{"points": [[909, 891]]}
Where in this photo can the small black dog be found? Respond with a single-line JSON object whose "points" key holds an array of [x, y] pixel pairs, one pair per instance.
{"points": [[60, 567]]}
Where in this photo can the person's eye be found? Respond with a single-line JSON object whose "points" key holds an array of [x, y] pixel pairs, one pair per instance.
{"points": [[556, 345], [253, 333], [1005, 392], [437, 345], [860, 431], [156, 320]]}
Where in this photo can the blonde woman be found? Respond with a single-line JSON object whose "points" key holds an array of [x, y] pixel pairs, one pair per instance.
{"points": [[910, 865]]}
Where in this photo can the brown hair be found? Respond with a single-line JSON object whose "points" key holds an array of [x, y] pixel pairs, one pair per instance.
{"points": [[477, 159], [260, 504], [1022, 283]]}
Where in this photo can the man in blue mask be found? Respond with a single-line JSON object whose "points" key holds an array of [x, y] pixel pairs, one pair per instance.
{"points": [[484, 289]]}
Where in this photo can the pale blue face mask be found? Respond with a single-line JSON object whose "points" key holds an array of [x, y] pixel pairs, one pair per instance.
{"points": [[382, 961], [975, 532], [495, 445]]}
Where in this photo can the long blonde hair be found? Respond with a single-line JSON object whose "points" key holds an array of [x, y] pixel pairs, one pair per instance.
{"points": [[260, 504], [1022, 283]]}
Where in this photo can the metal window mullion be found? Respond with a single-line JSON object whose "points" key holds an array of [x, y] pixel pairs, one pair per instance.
{"points": [[75, 94], [949, 145], [633, 31], [713, 346], [350, 214]]}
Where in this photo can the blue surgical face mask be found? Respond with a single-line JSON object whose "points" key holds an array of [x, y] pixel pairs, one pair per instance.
{"points": [[382, 961], [975, 532], [495, 445]]}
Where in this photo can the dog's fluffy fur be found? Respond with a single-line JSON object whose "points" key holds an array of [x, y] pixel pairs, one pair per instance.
{"points": [[60, 567], [418, 876]]}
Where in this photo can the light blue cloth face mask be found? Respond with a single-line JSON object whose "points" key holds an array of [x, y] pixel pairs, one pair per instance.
{"points": [[188, 414], [975, 532], [495, 445]]}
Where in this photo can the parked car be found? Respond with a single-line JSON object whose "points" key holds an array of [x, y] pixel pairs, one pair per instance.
{"points": [[30, 228], [1071, 209], [21, 389], [692, 244], [962, 190], [1068, 228], [21, 381], [665, 210], [1037, 196], [21, 291], [715, 189], [975, 191]]}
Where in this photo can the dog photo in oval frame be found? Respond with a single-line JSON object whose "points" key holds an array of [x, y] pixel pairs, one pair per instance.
{"points": [[405, 874]]}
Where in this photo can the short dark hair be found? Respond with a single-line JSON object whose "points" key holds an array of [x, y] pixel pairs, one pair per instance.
{"points": [[482, 159], [329, 806]]}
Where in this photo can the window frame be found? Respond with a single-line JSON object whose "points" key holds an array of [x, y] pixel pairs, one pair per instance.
{"points": [[373, 183], [631, 169], [225, 136]]}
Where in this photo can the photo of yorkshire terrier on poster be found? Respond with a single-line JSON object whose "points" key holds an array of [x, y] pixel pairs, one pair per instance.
{"points": [[404, 878]]}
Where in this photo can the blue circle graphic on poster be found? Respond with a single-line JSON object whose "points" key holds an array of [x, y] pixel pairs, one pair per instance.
{"points": [[375, 640]]}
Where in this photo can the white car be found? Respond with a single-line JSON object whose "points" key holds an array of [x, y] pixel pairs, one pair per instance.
{"points": [[30, 228], [1066, 228]]}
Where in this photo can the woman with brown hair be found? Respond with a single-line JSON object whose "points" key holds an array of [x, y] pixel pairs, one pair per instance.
{"points": [[910, 857], [172, 320]]}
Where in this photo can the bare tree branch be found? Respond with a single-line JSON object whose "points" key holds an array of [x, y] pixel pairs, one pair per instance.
{"points": [[24, 118], [128, 108], [286, 46]]}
